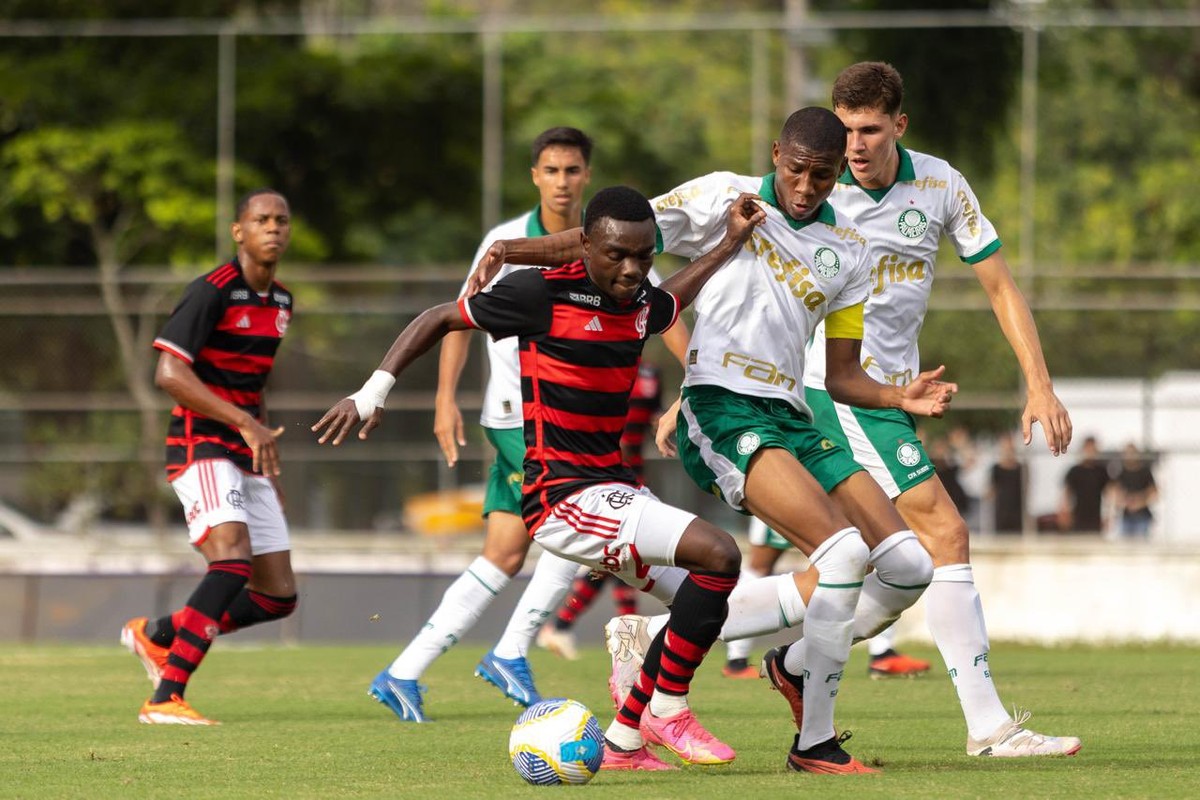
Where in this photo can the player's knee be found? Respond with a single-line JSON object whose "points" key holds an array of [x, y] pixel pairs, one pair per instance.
{"points": [[508, 560], [842, 558], [901, 560], [726, 558]]}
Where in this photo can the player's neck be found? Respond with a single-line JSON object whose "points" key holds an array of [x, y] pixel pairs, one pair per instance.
{"points": [[554, 222], [887, 176], [260, 276]]}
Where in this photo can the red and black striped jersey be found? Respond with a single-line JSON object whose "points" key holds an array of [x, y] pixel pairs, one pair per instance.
{"points": [[579, 353], [228, 333], [644, 404]]}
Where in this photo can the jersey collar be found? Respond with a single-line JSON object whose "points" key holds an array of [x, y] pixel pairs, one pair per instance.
{"points": [[904, 173], [825, 212], [533, 225]]}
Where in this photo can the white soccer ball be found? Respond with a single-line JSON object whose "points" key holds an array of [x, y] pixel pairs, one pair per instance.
{"points": [[556, 741]]}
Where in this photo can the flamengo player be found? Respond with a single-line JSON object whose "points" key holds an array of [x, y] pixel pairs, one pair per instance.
{"points": [[645, 404], [903, 201], [581, 329], [746, 435], [218, 347]]}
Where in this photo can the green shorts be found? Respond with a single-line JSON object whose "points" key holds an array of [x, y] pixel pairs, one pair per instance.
{"points": [[720, 431], [507, 472], [883, 440]]}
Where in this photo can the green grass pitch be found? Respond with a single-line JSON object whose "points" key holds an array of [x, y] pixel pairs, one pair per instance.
{"points": [[297, 723]]}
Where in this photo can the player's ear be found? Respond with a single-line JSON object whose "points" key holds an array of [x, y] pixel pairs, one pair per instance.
{"points": [[235, 230], [901, 124]]}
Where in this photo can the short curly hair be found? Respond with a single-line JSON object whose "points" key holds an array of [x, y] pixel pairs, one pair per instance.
{"points": [[616, 202], [815, 128]]}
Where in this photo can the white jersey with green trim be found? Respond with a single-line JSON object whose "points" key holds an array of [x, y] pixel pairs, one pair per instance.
{"points": [[502, 395], [903, 225], [755, 314]]}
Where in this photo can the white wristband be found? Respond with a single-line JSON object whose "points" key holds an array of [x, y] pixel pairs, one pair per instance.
{"points": [[373, 393]]}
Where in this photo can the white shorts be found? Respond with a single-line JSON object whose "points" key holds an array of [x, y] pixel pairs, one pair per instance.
{"points": [[620, 529], [214, 491]]}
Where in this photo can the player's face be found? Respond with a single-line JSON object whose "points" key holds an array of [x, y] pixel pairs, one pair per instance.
{"points": [[264, 229], [561, 175], [871, 136], [618, 256], [804, 178]]}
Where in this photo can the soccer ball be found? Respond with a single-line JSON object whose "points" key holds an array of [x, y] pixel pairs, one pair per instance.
{"points": [[556, 741]]}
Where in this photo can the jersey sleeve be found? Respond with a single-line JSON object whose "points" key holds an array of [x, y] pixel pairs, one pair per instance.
{"points": [[516, 305], [691, 218], [970, 232], [192, 322], [664, 311]]}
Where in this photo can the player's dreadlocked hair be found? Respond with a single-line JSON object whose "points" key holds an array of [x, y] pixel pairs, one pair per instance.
{"points": [[816, 129], [617, 202], [869, 85]]}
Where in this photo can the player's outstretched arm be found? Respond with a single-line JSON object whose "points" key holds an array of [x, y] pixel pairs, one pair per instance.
{"points": [[1016, 321], [744, 215], [553, 250], [926, 396], [366, 404]]}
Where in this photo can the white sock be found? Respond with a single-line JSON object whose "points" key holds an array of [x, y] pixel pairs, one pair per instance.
{"points": [[461, 605], [667, 705], [549, 584], [623, 736], [656, 624], [955, 617], [739, 649], [763, 606], [881, 642], [828, 627], [903, 569], [793, 658]]}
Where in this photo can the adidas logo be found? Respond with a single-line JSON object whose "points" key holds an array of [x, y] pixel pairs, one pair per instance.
{"points": [[244, 322], [594, 325]]}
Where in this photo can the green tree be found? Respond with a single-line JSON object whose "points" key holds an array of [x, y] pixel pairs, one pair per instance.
{"points": [[128, 187]]}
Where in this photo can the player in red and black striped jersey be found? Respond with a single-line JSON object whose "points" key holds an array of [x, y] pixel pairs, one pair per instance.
{"points": [[216, 352], [581, 329], [645, 404]]}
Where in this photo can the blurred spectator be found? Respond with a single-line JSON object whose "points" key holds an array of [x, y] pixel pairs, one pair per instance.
{"points": [[971, 475], [947, 466], [1006, 488], [1135, 490], [1083, 491]]}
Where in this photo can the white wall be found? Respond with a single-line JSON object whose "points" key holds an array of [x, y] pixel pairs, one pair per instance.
{"points": [[1161, 416], [1091, 592]]}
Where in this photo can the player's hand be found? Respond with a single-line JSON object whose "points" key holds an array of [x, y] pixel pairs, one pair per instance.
{"points": [[664, 436], [339, 420], [261, 441], [928, 395], [448, 429], [1046, 408], [486, 269], [744, 216]]}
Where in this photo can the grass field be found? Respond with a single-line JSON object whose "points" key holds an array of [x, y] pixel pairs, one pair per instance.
{"points": [[297, 723]]}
